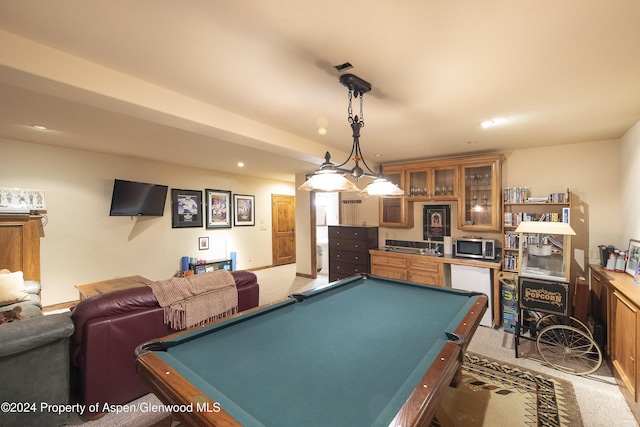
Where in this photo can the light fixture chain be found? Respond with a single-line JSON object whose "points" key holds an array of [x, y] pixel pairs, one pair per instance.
{"points": [[362, 110], [350, 108]]}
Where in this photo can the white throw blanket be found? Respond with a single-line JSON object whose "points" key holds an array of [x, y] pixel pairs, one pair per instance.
{"points": [[194, 300]]}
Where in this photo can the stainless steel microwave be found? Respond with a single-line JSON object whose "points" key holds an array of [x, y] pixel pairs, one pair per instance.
{"points": [[476, 248]]}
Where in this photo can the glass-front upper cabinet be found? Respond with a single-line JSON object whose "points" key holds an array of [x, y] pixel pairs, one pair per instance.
{"points": [[433, 183], [396, 211], [479, 206]]}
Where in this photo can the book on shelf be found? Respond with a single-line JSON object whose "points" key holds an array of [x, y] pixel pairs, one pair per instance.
{"points": [[521, 195], [516, 194], [513, 219]]}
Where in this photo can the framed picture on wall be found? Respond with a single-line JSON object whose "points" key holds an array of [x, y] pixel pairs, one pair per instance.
{"points": [[244, 210], [186, 208], [203, 243], [436, 222], [633, 257], [218, 208]]}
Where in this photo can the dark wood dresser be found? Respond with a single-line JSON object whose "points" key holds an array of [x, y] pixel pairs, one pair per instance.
{"points": [[349, 250]]}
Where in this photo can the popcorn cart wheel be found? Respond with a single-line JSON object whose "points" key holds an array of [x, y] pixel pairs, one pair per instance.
{"points": [[569, 349]]}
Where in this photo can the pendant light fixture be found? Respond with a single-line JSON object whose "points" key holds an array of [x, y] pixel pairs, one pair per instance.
{"points": [[331, 177]]}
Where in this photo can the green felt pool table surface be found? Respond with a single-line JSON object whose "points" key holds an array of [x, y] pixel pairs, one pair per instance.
{"points": [[361, 352]]}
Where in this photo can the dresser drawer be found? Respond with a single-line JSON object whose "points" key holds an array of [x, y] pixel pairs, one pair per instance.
{"points": [[348, 245], [350, 257], [348, 233], [347, 269]]}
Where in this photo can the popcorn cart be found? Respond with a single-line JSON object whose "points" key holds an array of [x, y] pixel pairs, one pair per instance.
{"points": [[545, 296]]}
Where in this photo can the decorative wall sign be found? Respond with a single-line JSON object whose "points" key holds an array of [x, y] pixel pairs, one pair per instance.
{"points": [[544, 295], [186, 208], [244, 212], [436, 222], [218, 208], [20, 200]]}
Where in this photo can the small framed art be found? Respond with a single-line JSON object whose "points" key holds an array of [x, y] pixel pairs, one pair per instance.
{"points": [[203, 243], [244, 210], [633, 257], [186, 208], [218, 208]]}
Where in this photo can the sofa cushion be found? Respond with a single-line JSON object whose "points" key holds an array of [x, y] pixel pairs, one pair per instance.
{"points": [[12, 288]]}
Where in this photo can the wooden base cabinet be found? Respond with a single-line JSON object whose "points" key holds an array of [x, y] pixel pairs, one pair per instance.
{"points": [[615, 300], [624, 341], [413, 268]]}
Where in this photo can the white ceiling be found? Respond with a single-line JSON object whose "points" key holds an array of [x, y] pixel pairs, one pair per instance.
{"points": [[209, 83]]}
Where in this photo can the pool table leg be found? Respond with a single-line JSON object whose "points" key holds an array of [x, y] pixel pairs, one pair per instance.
{"points": [[457, 378]]}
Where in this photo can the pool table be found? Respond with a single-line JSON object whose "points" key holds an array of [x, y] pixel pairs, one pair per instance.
{"points": [[362, 351]]}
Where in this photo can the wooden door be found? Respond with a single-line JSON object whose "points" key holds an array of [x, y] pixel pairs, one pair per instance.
{"points": [[283, 217]]}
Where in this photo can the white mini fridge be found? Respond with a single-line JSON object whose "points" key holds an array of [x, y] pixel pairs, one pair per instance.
{"points": [[476, 279]]}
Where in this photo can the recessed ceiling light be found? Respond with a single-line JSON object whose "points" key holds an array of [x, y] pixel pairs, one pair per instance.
{"points": [[240, 164], [39, 127], [322, 131], [472, 142]]}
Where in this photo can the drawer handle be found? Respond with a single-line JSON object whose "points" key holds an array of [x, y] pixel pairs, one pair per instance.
{"points": [[357, 258]]}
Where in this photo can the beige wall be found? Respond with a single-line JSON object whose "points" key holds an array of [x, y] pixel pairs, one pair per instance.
{"points": [[82, 243], [628, 182]]}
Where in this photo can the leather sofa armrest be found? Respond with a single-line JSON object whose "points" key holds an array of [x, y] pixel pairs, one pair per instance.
{"points": [[244, 278], [17, 337]]}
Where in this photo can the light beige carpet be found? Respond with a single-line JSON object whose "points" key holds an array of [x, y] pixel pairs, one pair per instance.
{"points": [[494, 393]]}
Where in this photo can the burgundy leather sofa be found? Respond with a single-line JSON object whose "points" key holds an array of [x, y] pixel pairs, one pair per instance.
{"points": [[109, 327]]}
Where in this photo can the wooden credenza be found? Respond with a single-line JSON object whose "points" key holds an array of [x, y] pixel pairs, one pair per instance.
{"points": [[349, 250], [615, 300], [20, 244]]}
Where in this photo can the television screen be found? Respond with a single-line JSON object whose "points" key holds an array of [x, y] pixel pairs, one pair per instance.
{"points": [[137, 199]]}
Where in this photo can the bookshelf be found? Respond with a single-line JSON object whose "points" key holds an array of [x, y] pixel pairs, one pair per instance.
{"points": [[518, 205]]}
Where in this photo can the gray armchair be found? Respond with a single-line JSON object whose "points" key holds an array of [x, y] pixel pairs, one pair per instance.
{"points": [[34, 363]]}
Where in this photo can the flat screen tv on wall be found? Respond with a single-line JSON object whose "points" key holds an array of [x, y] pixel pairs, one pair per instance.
{"points": [[137, 199]]}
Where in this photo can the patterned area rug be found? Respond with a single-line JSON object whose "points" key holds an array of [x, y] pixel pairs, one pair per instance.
{"points": [[493, 393]]}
